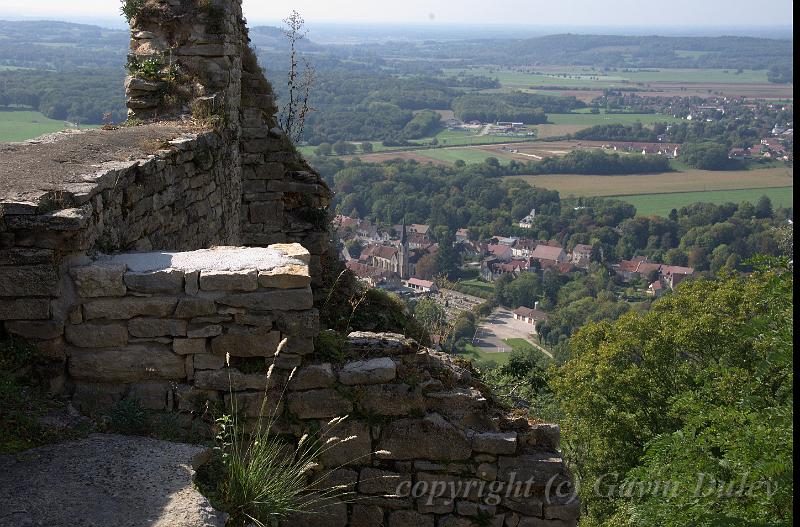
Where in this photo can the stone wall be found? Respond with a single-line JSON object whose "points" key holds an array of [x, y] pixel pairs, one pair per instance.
{"points": [[160, 327], [420, 423], [210, 71]]}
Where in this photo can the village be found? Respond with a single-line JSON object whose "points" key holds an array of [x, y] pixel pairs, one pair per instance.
{"points": [[398, 260]]}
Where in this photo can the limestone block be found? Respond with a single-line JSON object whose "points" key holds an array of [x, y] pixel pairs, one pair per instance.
{"points": [[156, 327], [99, 280], [36, 330], [192, 282], [410, 519], [246, 342], [287, 277], [542, 436], [319, 404], [376, 481], [129, 364], [372, 371], [431, 438], [25, 309], [189, 346], [227, 378], [129, 307], [391, 399], [166, 281], [456, 403], [298, 323], [91, 397], [96, 335], [28, 280], [195, 307], [190, 399], [566, 512], [495, 442], [207, 361], [314, 376], [229, 280], [487, 471], [255, 404], [385, 343], [539, 468], [355, 451], [199, 332], [278, 300], [366, 516], [152, 395], [328, 514]]}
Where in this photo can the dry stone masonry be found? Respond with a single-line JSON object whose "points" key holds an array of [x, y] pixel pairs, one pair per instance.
{"points": [[174, 260]]}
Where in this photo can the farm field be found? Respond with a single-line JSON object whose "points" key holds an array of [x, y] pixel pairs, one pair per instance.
{"points": [[468, 155], [657, 81], [661, 204], [586, 120], [24, 125], [666, 183]]}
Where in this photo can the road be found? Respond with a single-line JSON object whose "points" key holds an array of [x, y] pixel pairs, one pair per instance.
{"points": [[500, 325]]}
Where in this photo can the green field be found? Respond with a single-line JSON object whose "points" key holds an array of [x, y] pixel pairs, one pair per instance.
{"points": [[579, 77], [468, 155], [524, 346], [590, 119], [483, 286], [483, 358], [24, 125], [661, 204]]}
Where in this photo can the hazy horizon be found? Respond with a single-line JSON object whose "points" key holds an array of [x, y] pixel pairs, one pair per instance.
{"points": [[713, 17]]}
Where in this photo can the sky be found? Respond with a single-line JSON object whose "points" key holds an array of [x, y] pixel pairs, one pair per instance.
{"points": [[578, 13]]}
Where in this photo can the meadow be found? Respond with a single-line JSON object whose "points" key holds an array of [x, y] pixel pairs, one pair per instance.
{"points": [[666, 183], [23, 125], [661, 204]]}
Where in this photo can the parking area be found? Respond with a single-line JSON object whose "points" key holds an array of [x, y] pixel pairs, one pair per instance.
{"points": [[499, 326]]}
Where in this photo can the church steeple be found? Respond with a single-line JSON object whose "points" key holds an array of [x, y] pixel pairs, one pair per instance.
{"points": [[403, 254]]}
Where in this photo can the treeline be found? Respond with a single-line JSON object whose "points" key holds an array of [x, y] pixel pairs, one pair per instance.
{"points": [[598, 162], [517, 107], [80, 96], [618, 132]]}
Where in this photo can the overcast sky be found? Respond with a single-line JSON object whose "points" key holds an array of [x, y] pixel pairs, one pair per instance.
{"points": [[651, 13]]}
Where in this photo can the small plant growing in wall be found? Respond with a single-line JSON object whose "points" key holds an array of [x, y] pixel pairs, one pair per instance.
{"points": [[300, 81], [131, 8]]}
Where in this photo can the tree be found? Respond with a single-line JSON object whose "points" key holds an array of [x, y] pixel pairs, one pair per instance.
{"points": [[706, 155], [764, 208], [366, 147], [324, 149], [702, 383], [426, 267], [343, 148], [431, 315], [446, 256]]}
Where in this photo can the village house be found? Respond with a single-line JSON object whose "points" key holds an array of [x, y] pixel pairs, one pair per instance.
{"points": [[462, 235], [373, 276], [581, 255], [524, 248], [669, 276], [527, 221], [530, 316], [545, 253], [421, 286]]}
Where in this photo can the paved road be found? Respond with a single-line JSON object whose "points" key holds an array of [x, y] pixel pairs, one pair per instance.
{"points": [[501, 325]]}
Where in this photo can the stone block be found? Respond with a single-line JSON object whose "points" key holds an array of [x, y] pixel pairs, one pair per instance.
{"points": [[495, 442], [391, 400], [129, 307], [200, 332], [328, 514], [229, 280], [229, 378], [191, 399], [278, 300], [95, 335], [540, 468], [167, 281], [255, 404], [195, 307], [99, 280], [431, 438], [410, 519], [207, 361], [288, 277], [125, 365], [367, 516], [566, 512], [157, 327], [25, 309], [314, 376], [246, 342], [189, 346], [354, 451], [36, 329], [319, 404], [299, 323], [29, 280], [372, 371], [376, 481], [152, 395]]}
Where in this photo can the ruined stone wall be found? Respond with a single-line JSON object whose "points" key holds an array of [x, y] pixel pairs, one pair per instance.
{"points": [[209, 71]]}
